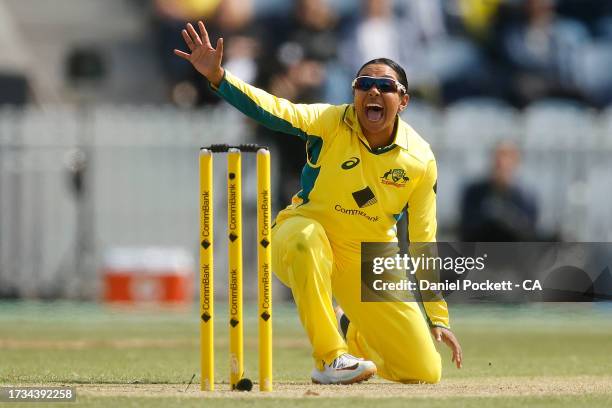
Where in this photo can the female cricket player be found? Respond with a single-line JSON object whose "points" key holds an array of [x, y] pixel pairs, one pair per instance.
{"points": [[364, 166]]}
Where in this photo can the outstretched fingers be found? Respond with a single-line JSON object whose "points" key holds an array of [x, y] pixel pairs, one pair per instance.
{"points": [[194, 35], [454, 345], [187, 39], [457, 358], [182, 54], [204, 34], [219, 50], [449, 338], [204, 58]]}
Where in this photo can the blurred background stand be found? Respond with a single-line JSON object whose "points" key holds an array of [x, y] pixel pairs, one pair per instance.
{"points": [[86, 73]]}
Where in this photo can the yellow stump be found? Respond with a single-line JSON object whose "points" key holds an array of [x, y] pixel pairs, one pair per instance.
{"points": [[234, 222], [207, 353], [264, 257]]}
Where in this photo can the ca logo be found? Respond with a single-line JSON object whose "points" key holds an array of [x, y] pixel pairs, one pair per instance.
{"points": [[350, 163]]}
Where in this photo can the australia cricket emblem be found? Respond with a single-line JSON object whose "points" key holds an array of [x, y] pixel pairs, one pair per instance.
{"points": [[395, 177]]}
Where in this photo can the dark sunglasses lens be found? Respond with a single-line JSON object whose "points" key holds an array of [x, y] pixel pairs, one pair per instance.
{"points": [[364, 84], [382, 84], [386, 85]]}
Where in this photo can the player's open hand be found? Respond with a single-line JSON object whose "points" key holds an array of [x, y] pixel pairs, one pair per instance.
{"points": [[448, 337], [203, 57]]}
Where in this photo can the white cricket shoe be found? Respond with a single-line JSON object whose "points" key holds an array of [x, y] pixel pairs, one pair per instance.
{"points": [[345, 369]]}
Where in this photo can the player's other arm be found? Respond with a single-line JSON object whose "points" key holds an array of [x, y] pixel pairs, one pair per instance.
{"points": [[275, 113], [422, 228]]}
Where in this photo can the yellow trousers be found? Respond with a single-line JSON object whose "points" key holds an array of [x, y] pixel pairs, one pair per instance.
{"points": [[394, 335]]}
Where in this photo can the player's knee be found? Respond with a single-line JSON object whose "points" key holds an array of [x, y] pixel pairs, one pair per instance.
{"points": [[301, 242], [425, 371], [307, 238], [431, 373]]}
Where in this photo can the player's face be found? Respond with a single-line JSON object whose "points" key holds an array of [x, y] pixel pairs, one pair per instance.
{"points": [[377, 108]]}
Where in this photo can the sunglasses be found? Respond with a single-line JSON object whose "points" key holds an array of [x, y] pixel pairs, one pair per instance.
{"points": [[384, 85]]}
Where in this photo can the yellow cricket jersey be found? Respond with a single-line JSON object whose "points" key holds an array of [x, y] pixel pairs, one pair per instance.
{"points": [[356, 193]]}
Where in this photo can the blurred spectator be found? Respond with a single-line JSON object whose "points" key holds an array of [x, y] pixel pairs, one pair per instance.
{"points": [[452, 64], [298, 49], [230, 19], [542, 49], [478, 17], [440, 67], [376, 33], [496, 209], [299, 64], [381, 32], [233, 20]]}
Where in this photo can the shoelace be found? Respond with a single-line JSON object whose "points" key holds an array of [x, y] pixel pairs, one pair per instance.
{"points": [[345, 360]]}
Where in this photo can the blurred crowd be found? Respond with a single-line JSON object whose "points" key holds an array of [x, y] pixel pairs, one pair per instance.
{"points": [[517, 51], [510, 51]]}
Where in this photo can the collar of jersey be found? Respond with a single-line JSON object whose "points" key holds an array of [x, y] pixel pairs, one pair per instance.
{"points": [[401, 134]]}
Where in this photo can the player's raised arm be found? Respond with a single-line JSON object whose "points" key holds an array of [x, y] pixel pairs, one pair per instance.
{"points": [[275, 113], [204, 58]]}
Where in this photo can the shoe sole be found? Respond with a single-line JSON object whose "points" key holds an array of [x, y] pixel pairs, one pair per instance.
{"points": [[365, 376]]}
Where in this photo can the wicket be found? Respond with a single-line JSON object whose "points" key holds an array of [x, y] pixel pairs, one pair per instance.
{"points": [[264, 254]]}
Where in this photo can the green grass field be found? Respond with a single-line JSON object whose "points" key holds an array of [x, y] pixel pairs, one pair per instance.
{"points": [[537, 355]]}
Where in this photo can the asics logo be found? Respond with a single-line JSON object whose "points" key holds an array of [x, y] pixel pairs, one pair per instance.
{"points": [[350, 163]]}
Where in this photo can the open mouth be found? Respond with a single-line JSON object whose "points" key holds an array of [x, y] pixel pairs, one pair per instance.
{"points": [[374, 112]]}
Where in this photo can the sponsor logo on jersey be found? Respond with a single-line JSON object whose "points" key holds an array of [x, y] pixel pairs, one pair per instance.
{"points": [[395, 177], [365, 197], [354, 211], [350, 163]]}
